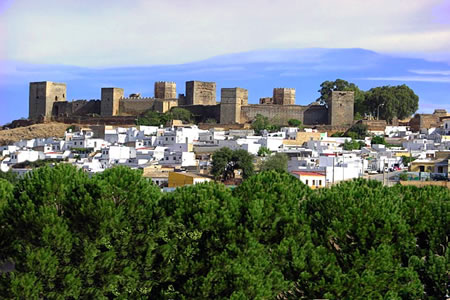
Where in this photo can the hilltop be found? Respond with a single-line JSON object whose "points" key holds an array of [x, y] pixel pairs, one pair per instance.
{"points": [[9, 136]]}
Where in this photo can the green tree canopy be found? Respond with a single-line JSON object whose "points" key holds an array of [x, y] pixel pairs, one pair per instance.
{"points": [[358, 131], [115, 235], [378, 139], [264, 151], [341, 85], [225, 161], [261, 123], [353, 145], [276, 162], [392, 102], [9, 176], [294, 122], [178, 113]]}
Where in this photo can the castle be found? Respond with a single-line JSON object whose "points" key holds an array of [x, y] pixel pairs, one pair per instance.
{"points": [[48, 100]]}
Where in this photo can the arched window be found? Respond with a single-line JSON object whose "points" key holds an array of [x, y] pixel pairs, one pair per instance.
{"points": [[56, 98]]}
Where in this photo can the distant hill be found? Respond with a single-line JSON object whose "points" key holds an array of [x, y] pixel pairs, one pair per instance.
{"points": [[31, 132], [258, 71]]}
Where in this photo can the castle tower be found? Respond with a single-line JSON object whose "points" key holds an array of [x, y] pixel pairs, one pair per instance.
{"points": [[283, 96], [42, 95], [232, 99], [200, 93], [165, 90], [340, 108], [110, 101]]}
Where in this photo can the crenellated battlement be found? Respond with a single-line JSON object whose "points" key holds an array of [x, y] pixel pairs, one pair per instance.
{"points": [[48, 99]]}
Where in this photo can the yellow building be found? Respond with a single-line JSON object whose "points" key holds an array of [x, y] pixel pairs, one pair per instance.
{"points": [[177, 179], [430, 166], [303, 137], [314, 180]]}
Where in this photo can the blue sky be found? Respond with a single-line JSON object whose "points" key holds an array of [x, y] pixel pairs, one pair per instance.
{"points": [[37, 37]]}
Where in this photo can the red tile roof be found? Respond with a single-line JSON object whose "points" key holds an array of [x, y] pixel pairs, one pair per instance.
{"points": [[306, 173]]}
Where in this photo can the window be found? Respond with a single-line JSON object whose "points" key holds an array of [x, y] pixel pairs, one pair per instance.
{"points": [[167, 158], [172, 138], [56, 98], [174, 158], [166, 139], [314, 182], [64, 95], [320, 182], [306, 181]]}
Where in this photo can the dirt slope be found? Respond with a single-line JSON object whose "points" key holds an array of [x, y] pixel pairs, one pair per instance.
{"points": [[33, 131]]}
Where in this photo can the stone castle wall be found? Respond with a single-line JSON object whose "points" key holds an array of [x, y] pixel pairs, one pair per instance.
{"points": [[202, 113], [340, 108], [135, 107], [42, 96], [283, 96], [232, 99], [200, 93], [200, 99], [165, 90], [77, 108], [110, 101], [279, 114]]}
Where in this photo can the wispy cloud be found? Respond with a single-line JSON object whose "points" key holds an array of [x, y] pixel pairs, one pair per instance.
{"points": [[431, 72], [410, 78], [135, 32]]}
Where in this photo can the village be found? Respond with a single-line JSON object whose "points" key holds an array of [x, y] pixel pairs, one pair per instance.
{"points": [[182, 154]]}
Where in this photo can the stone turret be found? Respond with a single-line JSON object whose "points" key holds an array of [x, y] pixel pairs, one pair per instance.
{"points": [[341, 108], [283, 96], [42, 96], [110, 101], [200, 93], [232, 99], [165, 90]]}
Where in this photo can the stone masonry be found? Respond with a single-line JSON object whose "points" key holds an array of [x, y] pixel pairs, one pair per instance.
{"points": [[340, 108], [200, 93], [48, 100], [283, 96], [42, 96], [231, 101], [110, 101], [165, 90]]}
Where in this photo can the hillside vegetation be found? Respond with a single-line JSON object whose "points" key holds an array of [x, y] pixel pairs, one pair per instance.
{"points": [[115, 235], [43, 130]]}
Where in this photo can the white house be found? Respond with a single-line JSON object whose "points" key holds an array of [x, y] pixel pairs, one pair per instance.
{"points": [[26, 155]]}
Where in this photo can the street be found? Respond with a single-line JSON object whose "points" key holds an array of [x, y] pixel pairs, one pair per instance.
{"points": [[388, 177]]}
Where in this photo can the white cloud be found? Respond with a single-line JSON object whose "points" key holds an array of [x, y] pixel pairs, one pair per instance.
{"points": [[411, 78], [100, 32], [431, 72]]}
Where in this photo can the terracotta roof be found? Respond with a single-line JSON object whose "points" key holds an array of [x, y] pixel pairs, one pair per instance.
{"points": [[306, 173]]}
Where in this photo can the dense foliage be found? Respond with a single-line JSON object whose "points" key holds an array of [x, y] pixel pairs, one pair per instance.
{"points": [[353, 145], [277, 162], [154, 118], [226, 161], [264, 151], [385, 102], [378, 140], [358, 131], [295, 123], [115, 235], [393, 102], [261, 123]]}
